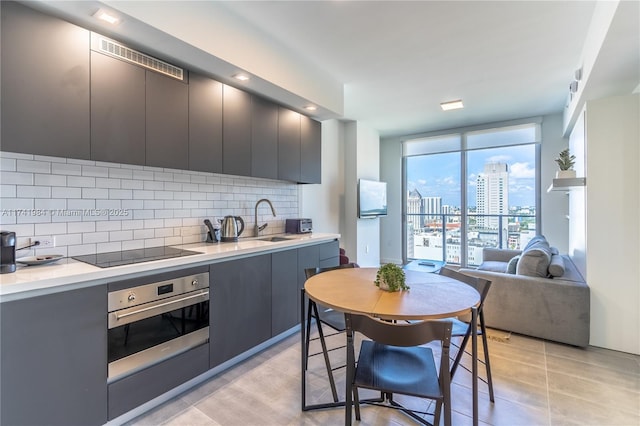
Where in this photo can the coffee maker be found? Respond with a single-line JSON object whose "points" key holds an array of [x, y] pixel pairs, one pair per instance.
{"points": [[7, 252]]}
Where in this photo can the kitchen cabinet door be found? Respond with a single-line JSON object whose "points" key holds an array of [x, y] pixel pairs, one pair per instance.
{"points": [[285, 291], [264, 138], [45, 84], [205, 124], [240, 306], [117, 111], [54, 359], [310, 150], [236, 132], [167, 109], [288, 145]]}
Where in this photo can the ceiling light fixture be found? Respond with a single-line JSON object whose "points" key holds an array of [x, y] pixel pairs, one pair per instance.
{"points": [[447, 106], [103, 15], [241, 77], [310, 107]]}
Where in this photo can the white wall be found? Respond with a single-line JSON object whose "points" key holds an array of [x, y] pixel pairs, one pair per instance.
{"points": [[362, 160], [612, 228], [554, 206], [391, 227], [324, 203]]}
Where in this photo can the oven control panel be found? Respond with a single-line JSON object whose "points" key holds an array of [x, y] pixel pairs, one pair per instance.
{"points": [[146, 293]]}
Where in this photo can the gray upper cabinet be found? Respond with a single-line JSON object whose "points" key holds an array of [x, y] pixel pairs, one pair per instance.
{"points": [[167, 122], [117, 110], [205, 124], [264, 138], [310, 150], [45, 84], [236, 132], [288, 145]]}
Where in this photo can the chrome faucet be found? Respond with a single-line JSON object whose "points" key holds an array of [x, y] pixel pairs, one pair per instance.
{"points": [[260, 228]]}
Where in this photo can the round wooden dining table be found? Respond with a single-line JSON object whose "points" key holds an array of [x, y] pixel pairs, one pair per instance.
{"points": [[430, 296]]}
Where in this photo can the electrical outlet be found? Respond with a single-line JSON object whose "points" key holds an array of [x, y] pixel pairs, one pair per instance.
{"points": [[45, 242]]}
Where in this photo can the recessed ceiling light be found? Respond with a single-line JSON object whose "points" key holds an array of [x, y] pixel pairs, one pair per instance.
{"points": [[310, 107], [103, 15], [446, 106], [241, 77]]}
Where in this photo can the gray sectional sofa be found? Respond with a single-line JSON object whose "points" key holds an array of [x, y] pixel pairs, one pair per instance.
{"points": [[535, 292]]}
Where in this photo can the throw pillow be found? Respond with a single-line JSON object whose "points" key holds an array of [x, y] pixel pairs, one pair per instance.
{"points": [[493, 266], [556, 266], [534, 261], [534, 240], [512, 265]]}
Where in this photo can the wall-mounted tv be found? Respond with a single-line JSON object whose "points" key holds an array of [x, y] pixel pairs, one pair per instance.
{"points": [[372, 198]]}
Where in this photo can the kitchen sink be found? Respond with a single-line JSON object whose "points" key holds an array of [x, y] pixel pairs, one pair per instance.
{"points": [[274, 239]]}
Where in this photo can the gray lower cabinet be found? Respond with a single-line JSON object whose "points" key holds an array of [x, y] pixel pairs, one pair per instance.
{"points": [[236, 132], [329, 254], [285, 291], [167, 122], [45, 84], [205, 124], [54, 359], [240, 306], [117, 111]]}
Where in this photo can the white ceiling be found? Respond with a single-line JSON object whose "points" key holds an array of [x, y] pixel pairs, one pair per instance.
{"points": [[393, 62]]}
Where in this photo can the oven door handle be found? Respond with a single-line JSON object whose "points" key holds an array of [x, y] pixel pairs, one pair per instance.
{"points": [[160, 305]]}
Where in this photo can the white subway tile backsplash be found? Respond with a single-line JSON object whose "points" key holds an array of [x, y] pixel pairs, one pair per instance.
{"points": [[51, 180], [95, 237], [62, 192], [66, 169], [16, 178], [79, 181], [98, 206], [102, 172], [44, 229], [32, 166]]}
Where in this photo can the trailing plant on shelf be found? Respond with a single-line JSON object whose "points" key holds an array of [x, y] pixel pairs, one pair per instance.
{"points": [[391, 277]]}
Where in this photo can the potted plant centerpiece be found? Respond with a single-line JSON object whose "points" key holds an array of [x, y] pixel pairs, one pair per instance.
{"points": [[565, 162], [391, 277]]}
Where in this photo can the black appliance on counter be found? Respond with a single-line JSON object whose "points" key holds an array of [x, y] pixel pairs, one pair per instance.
{"points": [[7, 252], [298, 226], [128, 257]]}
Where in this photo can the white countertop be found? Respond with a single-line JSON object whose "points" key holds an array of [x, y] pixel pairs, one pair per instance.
{"points": [[68, 273]]}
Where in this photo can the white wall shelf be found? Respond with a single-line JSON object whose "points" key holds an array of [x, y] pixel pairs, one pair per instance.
{"points": [[565, 184]]}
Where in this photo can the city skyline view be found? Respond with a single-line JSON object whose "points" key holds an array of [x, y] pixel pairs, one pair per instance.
{"points": [[438, 175]]}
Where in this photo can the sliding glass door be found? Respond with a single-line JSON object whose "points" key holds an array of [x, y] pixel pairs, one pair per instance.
{"points": [[468, 191]]}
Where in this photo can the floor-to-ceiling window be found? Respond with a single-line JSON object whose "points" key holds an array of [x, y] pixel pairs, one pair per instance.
{"points": [[467, 190]]}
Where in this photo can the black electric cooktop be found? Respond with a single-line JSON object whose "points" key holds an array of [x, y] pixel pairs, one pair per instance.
{"points": [[128, 257]]}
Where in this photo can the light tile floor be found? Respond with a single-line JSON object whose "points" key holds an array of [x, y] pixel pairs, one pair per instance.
{"points": [[536, 383]]}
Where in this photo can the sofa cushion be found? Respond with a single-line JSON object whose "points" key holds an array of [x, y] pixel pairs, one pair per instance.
{"points": [[535, 259], [556, 266], [513, 264], [493, 266]]}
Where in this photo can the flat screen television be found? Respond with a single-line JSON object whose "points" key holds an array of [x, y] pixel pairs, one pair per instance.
{"points": [[372, 198]]}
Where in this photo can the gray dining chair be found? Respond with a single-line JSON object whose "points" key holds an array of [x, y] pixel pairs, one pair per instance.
{"points": [[393, 362], [323, 316], [463, 329]]}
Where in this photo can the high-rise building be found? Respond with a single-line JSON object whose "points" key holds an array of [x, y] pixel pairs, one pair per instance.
{"points": [[415, 209], [492, 195]]}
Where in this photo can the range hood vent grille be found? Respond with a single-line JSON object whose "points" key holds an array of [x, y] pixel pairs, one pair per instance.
{"points": [[135, 57]]}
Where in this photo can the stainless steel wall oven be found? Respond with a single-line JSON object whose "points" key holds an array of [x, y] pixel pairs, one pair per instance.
{"points": [[153, 322]]}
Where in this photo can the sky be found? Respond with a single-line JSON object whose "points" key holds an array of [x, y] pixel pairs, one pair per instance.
{"points": [[438, 175]]}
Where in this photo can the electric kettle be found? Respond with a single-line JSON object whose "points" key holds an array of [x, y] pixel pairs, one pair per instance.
{"points": [[232, 227]]}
